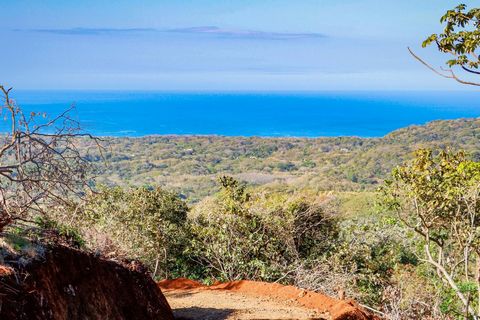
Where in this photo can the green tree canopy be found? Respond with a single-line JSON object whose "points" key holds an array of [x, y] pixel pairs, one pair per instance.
{"points": [[460, 38]]}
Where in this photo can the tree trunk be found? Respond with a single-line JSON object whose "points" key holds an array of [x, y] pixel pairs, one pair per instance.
{"points": [[477, 278], [450, 282], [156, 267]]}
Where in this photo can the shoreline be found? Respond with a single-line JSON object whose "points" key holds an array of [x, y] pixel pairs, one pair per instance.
{"points": [[269, 137]]}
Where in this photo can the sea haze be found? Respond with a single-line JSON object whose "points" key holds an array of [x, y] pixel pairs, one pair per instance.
{"points": [[365, 114]]}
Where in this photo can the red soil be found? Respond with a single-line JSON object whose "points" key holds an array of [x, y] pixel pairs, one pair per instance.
{"points": [[336, 309], [180, 284], [5, 271], [70, 284]]}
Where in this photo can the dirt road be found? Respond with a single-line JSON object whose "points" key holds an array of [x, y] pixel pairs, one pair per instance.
{"points": [[220, 305], [250, 300]]}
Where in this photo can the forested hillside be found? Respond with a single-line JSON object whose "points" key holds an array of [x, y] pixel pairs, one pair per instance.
{"points": [[190, 165]]}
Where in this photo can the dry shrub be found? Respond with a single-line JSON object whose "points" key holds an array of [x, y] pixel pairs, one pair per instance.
{"points": [[325, 277], [43, 162], [411, 296]]}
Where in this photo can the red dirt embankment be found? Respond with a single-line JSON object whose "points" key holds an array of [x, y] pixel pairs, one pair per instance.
{"points": [[64, 283], [334, 309]]}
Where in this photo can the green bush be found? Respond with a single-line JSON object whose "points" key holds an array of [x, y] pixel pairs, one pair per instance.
{"points": [[144, 223], [67, 233], [237, 235]]}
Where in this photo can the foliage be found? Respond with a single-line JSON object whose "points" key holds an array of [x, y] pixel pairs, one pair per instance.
{"points": [[181, 163], [145, 223], [70, 234], [437, 196], [237, 235], [372, 246], [460, 37], [230, 241]]}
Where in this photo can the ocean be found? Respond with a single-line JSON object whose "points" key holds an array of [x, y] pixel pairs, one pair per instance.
{"points": [[364, 114]]}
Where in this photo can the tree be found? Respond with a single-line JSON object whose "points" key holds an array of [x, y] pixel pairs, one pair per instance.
{"points": [[460, 39], [438, 196], [41, 163]]}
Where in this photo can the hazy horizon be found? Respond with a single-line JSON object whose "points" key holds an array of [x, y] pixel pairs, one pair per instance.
{"points": [[209, 46]]}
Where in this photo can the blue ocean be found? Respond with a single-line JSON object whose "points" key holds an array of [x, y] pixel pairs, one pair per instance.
{"points": [[364, 114]]}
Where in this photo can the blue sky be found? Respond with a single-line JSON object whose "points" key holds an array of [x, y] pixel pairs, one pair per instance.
{"points": [[229, 45]]}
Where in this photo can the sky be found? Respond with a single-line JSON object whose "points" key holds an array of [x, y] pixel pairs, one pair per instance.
{"points": [[223, 45]]}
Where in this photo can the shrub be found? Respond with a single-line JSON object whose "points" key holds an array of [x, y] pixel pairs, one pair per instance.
{"points": [[67, 233], [231, 242], [147, 223], [237, 235]]}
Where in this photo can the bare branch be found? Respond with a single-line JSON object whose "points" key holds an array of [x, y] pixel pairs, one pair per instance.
{"points": [[42, 162], [470, 70], [450, 74]]}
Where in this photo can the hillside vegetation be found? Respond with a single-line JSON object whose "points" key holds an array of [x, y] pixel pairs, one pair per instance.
{"points": [[190, 165]]}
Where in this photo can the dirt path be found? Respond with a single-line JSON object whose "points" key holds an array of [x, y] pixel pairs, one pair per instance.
{"points": [[191, 300], [220, 305]]}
